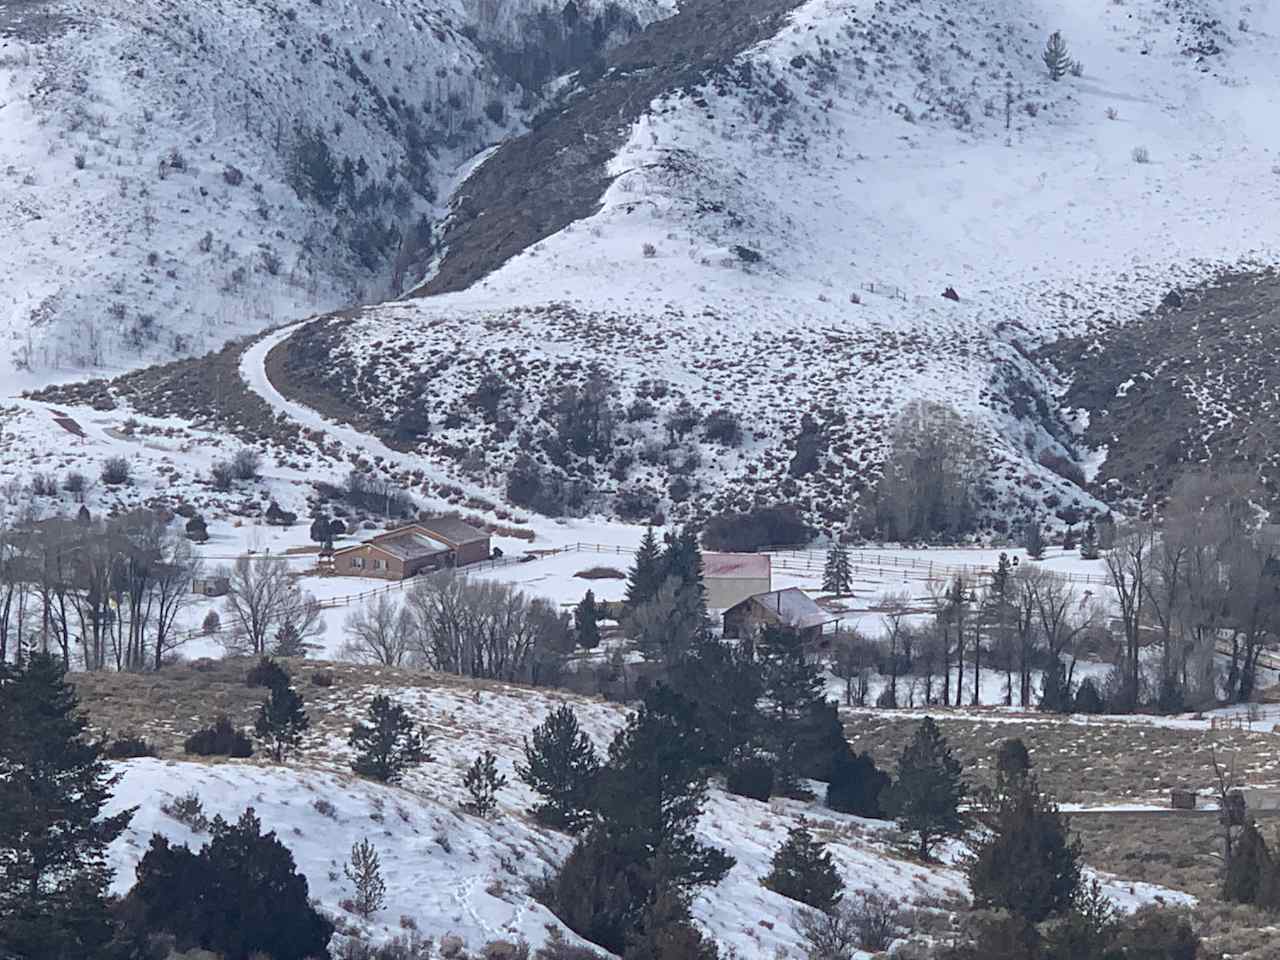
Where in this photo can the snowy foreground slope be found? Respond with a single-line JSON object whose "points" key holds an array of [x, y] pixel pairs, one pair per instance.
{"points": [[151, 154], [452, 872], [899, 146]]}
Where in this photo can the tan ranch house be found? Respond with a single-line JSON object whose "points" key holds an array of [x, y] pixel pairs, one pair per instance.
{"points": [[419, 547]]}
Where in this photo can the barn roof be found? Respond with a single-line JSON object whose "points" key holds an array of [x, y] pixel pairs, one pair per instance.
{"points": [[735, 566], [793, 607]]}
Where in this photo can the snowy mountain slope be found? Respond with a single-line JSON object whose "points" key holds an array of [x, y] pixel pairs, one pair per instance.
{"points": [[452, 872], [175, 174], [775, 241]]}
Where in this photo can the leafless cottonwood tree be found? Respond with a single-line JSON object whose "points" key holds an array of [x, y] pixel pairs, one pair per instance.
{"points": [[104, 593], [379, 632], [484, 629], [262, 600], [930, 478]]}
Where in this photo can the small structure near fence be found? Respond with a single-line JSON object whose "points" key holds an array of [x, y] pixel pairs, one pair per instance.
{"points": [[885, 290], [1183, 799], [211, 586]]}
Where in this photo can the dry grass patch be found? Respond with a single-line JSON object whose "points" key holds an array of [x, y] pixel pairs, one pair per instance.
{"points": [[1096, 762], [168, 706]]}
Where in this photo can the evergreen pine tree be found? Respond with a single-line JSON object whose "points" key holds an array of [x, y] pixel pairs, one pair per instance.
{"points": [[1087, 698], [388, 744], [1055, 694], [1027, 863], [282, 721], [803, 730], [584, 623], [322, 533], [642, 851], [837, 575], [666, 932], [241, 895], [724, 685], [802, 870], [1013, 763], [857, 786], [561, 766], [681, 562], [364, 870], [197, 532], [1248, 868], [926, 798], [1090, 548], [652, 790], [646, 573], [1033, 540], [54, 784], [483, 782], [1055, 56], [1087, 931]]}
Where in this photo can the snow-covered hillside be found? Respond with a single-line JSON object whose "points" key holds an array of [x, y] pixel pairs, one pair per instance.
{"points": [[777, 241], [175, 174], [451, 872]]}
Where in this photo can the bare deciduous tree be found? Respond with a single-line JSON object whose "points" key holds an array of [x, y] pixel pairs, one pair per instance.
{"points": [[378, 632], [262, 598], [482, 628]]}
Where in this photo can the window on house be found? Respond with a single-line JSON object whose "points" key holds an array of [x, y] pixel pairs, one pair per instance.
{"points": [[357, 563], [377, 564]]}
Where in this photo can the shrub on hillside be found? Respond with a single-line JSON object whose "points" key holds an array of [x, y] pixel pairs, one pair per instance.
{"points": [[743, 532], [1087, 698], [222, 475], [115, 471], [388, 744], [241, 895], [857, 786], [751, 776], [267, 673], [129, 746], [219, 740], [188, 810], [802, 870], [722, 426]]}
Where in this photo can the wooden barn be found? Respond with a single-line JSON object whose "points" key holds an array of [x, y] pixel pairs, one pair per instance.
{"points": [[435, 543], [791, 607]]}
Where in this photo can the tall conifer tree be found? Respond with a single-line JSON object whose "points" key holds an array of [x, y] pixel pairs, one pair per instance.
{"points": [[54, 785]]}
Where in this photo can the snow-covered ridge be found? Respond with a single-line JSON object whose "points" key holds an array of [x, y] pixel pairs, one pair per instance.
{"points": [[777, 242], [175, 174]]}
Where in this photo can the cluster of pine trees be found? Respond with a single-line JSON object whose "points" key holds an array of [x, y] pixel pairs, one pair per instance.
{"points": [[239, 894]]}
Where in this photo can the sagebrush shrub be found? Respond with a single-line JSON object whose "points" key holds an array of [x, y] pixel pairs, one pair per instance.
{"points": [[220, 740], [115, 471]]}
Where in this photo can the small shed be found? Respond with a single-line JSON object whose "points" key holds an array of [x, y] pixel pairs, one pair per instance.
{"points": [[791, 607], [211, 586], [731, 578]]}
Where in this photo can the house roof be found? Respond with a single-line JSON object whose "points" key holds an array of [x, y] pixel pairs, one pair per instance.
{"points": [[448, 528], [406, 544], [793, 607], [735, 566], [410, 545]]}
